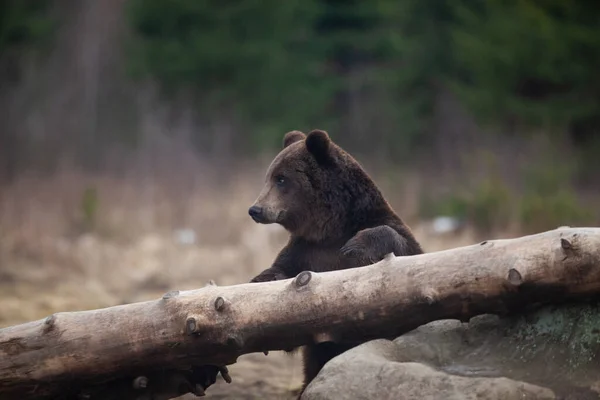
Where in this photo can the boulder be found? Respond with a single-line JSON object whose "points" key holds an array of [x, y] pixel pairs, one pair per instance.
{"points": [[550, 353]]}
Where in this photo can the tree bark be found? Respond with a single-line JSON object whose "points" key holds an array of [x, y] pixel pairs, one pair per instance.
{"points": [[214, 325]]}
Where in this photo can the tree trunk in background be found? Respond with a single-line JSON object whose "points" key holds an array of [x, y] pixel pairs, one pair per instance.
{"points": [[9, 156]]}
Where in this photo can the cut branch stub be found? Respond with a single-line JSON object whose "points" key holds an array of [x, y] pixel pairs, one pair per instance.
{"points": [[49, 323], [50, 320], [514, 277], [303, 278], [171, 294], [235, 341], [191, 326], [430, 295], [220, 303], [141, 382], [565, 244]]}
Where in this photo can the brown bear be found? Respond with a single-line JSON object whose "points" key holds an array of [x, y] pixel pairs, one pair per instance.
{"points": [[336, 216]]}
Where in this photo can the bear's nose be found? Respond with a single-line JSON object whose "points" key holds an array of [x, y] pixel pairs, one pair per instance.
{"points": [[255, 212]]}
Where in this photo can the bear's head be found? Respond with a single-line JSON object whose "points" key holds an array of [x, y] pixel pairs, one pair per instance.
{"points": [[314, 189]]}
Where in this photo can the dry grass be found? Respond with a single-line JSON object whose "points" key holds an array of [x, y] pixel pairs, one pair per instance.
{"points": [[50, 263]]}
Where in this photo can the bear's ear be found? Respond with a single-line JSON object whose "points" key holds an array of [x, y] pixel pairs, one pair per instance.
{"points": [[317, 144], [292, 137]]}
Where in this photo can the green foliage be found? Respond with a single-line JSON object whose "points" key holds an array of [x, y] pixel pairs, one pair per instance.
{"points": [[246, 59], [540, 213], [452, 205], [282, 65], [89, 207], [548, 200], [487, 204], [422, 56], [526, 60], [23, 23], [491, 205], [485, 207]]}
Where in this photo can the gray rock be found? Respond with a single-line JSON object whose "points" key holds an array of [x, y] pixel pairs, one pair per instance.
{"points": [[546, 354]]}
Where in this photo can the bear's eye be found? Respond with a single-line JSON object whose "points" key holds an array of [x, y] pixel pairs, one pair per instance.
{"points": [[279, 180]]}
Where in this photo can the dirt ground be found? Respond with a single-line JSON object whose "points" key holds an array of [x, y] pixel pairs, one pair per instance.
{"points": [[49, 265]]}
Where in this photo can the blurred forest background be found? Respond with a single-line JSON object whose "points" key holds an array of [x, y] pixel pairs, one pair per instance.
{"points": [[136, 133]]}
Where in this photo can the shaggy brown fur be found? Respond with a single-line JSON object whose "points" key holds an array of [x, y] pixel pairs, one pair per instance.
{"points": [[336, 216]]}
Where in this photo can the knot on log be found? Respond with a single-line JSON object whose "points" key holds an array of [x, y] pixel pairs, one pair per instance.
{"points": [[49, 323], [235, 341], [323, 337], [430, 295], [303, 278], [514, 277], [220, 303], [171, 294], [567, 247], [565, 244], [141, 382], [191, 326]]}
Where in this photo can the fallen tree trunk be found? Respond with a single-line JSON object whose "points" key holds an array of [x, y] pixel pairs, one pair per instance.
{"points": [[69, 352]]}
